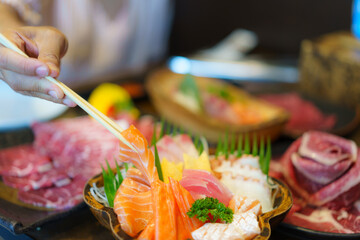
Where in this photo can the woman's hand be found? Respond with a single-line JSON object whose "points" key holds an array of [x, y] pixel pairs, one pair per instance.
{"points": [[45, 46]]}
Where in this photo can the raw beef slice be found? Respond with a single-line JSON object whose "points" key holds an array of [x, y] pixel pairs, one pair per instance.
{"points": [[22, 160]]}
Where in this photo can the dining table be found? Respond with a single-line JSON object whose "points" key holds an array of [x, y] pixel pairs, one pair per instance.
{"points": [[81, 223]]}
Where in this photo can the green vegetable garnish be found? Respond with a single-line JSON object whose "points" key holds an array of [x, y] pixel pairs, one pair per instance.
{"points": [[111, 182], [210, 210], [221, 92], [189, 87]]}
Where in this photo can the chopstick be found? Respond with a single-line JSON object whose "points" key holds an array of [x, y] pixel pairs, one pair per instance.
{"points": [[85, 105]]}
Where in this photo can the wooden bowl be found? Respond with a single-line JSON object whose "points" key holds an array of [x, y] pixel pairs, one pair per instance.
{"points": [[268, 220], [161, 83]]}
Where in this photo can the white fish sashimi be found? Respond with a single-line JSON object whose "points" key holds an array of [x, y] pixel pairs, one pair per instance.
{"points": [[245, 223], [244, 178]]}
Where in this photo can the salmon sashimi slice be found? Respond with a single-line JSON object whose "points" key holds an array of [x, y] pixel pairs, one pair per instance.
{"points": [[133, 206], [143, 159], [164, 211], [184, 201], [182, 231], [149, 232], [136, 175], [243, 204]]}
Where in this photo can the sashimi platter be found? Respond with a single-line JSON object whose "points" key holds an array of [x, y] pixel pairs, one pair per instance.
{"points": [[173, 188]]}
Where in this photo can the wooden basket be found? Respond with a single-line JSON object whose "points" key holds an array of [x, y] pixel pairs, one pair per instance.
{"points": [[159, 85]]}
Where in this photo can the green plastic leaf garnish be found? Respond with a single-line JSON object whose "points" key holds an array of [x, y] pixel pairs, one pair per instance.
{"points": [[239, 146], [247, 144], [264, 152], [157, 164], [111, 182], [255, 146]]}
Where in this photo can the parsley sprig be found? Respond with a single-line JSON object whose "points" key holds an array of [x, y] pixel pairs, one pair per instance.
{"points": [[210, 210]]}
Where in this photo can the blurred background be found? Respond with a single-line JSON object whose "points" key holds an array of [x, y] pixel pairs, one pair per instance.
{"points": [[280, 25]]}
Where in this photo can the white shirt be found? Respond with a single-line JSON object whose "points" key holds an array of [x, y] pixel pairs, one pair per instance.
{"points": [[107, 39]]}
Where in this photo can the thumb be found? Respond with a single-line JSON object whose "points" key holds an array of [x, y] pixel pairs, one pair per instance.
{"points": [[50, 52]]}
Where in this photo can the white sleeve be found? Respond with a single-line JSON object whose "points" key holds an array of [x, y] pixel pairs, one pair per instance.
{"points": [[28, 10]]}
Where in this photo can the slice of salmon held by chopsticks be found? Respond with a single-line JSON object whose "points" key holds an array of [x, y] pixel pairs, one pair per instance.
{"points": [[133, 206], [143, 159]]}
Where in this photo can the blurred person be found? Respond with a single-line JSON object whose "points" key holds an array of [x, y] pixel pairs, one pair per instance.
{"points": [[92, 40]]}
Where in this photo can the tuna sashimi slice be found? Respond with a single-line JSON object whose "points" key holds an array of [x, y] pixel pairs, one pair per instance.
{"points": [[133, 206], [201, 183], [317, 172], [56, 197], [22, 160], [326, 148]]}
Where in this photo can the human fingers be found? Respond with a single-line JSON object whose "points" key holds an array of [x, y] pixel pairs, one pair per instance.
{"points": [[36, 87], [52, 45], [21, 83], [12, 61], [66, 101]]}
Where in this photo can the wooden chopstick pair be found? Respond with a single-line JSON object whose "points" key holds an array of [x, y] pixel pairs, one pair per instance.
{"points": [[85, 105]]}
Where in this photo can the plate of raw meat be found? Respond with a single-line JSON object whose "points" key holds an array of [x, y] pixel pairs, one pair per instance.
{"points": [[45, 170], [230, 191], [311, 113], [322, 171]]}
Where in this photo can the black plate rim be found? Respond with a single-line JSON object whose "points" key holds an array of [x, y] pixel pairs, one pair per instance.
{"points": [[325, 235]]}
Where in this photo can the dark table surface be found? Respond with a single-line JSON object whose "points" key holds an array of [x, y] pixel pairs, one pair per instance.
{"points": [[81, 224]]}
